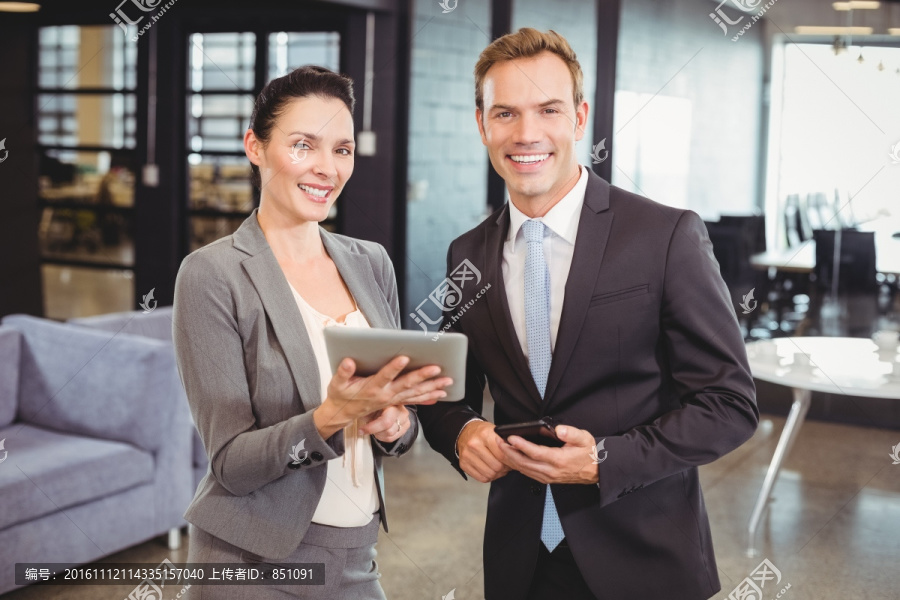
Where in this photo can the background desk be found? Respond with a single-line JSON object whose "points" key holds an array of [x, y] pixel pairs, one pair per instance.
{"points": [[802, 258], [843, 366]]}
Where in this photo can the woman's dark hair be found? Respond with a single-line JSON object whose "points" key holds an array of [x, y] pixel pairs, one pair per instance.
{"points": [[299, 83]]}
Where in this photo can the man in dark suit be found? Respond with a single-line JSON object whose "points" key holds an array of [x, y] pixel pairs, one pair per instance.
{"points": [[606, 312]]}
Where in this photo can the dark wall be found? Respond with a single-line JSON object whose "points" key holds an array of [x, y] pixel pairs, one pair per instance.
{"points": [[20, 275], [368, 204]]}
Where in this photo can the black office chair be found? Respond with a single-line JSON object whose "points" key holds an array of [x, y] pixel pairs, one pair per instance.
{"points": [[735, 239], [856, 263], [856, 301]]}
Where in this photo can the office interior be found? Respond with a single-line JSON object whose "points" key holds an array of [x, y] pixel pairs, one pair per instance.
{"points": [[121, 153]]}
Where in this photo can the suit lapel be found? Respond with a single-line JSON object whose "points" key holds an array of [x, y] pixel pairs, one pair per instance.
{"points": [[498, 303], [287, 324], [590, 243]]}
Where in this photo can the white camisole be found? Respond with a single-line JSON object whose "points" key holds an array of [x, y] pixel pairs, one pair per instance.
{"points": [[344, 503]]}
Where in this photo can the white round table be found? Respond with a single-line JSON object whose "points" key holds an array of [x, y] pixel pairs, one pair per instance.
{"points": [[842, 366]]}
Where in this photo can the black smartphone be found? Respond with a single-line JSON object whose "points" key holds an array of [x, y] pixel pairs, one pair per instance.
{"points": [[541, 432]]}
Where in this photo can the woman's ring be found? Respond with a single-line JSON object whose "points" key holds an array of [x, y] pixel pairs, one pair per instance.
{"points": [[399, 426]]}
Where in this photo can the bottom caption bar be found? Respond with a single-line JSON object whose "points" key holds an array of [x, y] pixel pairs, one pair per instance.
{"points": [[171, 574]]}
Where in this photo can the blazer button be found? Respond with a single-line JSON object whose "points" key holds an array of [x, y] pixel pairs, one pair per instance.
{"points": [[294, 466], [537, 489], [306, 462], [316, 455]]}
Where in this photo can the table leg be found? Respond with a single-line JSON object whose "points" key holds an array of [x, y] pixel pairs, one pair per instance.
{"points": [[791, 427]]}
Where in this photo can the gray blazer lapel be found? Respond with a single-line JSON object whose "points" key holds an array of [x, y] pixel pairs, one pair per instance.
{"points": [[287, 322], [358, 274]]}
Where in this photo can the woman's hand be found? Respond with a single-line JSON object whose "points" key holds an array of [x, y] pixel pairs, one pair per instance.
{"points": [[387, 425], [350, 397]]}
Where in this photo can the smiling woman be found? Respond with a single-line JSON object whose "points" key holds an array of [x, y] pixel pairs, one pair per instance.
{"points": [[296, 448]]}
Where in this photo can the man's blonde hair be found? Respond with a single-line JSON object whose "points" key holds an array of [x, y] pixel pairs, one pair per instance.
{"points": [[526, 43]]}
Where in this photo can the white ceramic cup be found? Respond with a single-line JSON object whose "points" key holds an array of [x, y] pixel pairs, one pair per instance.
{"points": [[886, 339], [802, 361]]}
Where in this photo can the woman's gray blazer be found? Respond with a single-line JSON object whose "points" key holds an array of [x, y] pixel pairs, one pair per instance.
{"points": [[252, 382]]}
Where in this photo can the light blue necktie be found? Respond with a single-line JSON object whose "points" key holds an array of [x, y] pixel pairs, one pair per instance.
{"points": [[537, 332]]}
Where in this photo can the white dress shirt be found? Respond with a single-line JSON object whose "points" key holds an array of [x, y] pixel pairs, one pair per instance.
{"points": [[559, 246], [344, 503]]}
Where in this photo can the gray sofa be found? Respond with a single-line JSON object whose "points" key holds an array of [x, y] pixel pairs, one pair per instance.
{"points": [[156, 324], [97, 442]]}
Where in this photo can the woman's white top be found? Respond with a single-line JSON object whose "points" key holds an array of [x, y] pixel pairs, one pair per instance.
{"points": [[350, 497]]}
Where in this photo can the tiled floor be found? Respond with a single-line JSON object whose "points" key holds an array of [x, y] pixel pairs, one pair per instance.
{"points": [[833, 529]]}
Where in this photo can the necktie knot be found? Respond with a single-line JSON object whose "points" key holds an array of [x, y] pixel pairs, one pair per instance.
{"points": [[534, 230]]}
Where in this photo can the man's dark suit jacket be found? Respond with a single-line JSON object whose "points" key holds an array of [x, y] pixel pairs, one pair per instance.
{"points": [[649, 359]]}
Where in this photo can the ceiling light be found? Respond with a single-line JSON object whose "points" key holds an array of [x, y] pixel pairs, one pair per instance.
{"points": [[19, 7], [815, 30], [856, 5]]}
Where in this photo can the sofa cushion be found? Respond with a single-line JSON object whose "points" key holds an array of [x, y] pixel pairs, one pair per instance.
{"points": [[10, 353], [47, 471], [95, 383]]}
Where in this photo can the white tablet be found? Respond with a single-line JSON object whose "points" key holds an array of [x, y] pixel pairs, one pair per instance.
{"points": [[372, 348]]}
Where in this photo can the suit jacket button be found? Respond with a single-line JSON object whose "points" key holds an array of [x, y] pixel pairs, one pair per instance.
{"points": [[293, 465], [306, 462], [316, 455], [537, 489]]}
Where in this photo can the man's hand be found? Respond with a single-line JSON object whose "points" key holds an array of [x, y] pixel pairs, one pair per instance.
{"points": [[570, 464], [479, 452]]}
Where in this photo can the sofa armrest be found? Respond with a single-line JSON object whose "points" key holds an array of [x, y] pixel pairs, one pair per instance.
{"points": [[10, 352], [101, 384]]}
